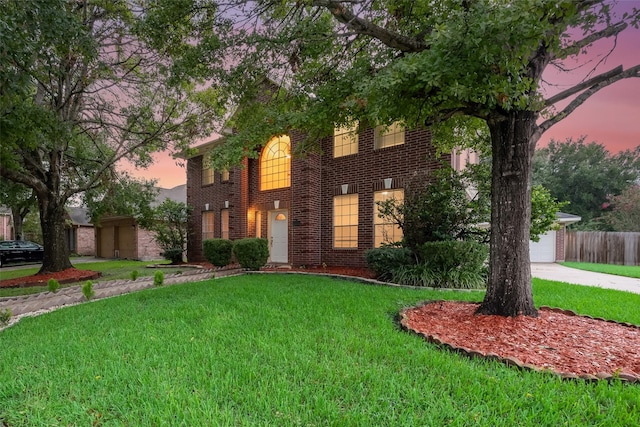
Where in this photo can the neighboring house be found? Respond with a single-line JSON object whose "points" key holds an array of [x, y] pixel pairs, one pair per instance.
{"points": [[80, 232], [550, 248], [314, 210], [6, 224], [122, 237]]}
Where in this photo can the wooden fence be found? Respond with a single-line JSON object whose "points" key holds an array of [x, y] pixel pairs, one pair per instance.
{"points": [[603, 247]]}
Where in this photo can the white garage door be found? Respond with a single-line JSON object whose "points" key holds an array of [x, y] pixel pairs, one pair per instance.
{"points": [[545, 249]]}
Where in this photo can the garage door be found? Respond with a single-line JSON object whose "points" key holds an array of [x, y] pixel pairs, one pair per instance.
{"points": [[545, 249]]}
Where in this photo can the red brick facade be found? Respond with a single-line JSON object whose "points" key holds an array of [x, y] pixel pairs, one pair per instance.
{"points": [[315, 180]]}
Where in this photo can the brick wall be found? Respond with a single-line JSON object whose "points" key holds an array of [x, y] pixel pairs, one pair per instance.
{"points": [[314, 181], [85, 241]]}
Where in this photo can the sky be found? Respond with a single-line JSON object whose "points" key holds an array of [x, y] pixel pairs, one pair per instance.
{"points": [[611, 117]]}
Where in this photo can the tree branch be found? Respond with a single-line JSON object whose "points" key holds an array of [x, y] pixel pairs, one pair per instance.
{"points": [[366, 27], [582, 86], [609, 31], [579, 100]]}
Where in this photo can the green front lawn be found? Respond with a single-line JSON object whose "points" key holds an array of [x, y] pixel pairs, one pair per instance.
{"points": [[285, 350], [618, 270]]}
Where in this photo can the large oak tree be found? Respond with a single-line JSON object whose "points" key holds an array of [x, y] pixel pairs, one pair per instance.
{"points": [[82, 88], [421, 62]]}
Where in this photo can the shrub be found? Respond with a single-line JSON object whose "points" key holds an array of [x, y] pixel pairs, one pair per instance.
{"points": [[174, 255], [384, 260], [453, 255], [218, 251], [134, 275], [5, 315], [53, 285], [158, 278], [423, 275], [251, 253], [87, 290]]}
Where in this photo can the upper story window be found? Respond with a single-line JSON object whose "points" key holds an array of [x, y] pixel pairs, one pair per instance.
{"points": [[388, 136], [275, 163], [225, 174], [385, 230], [345, 140], [207, 170]]}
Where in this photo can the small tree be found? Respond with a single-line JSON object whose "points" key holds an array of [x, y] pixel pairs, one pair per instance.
{"points": [[625, 210], [169, 222]]}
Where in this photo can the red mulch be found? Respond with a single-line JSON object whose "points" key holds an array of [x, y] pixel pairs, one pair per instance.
{"points": [[69, 275], [557, 340]]}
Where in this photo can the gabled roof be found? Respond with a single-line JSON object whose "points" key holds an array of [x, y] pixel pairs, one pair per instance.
{"points": [[79, 215], [565, 218], [177, 194]]}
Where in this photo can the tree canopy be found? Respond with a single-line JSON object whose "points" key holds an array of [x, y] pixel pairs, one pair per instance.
{"points": [[586, 175], [83, 87]]}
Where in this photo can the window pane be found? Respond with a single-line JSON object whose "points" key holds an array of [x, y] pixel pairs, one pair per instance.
{"points": [[385, 230], [224, 223], [345, 221], [345, 140], [207, 225], [388, 136], [207, 170], [275, 164]]}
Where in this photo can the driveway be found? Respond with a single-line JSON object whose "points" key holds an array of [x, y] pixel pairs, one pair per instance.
{"points": [[560, 273]]}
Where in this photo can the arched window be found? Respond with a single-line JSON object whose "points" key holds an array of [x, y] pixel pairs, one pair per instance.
{"points": [[275, 164]]}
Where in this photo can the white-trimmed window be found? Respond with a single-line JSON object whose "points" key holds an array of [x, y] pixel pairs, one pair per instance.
{"points": [[275, 164], [386, 231], [207, 225], [207, 170], [345, 140], [345, 221], [224, 223], [388, 136]]}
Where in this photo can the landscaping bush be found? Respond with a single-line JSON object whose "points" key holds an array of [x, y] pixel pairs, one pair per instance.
{"points": [[384, 260], [453, 255], [5, 316], [87, 290], [218, 251], [251, 253], [53, 285], [423, 275], [174, 255], [158, 278]]}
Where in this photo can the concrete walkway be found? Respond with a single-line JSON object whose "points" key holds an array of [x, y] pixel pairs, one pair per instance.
{"points": [[560, 273]]}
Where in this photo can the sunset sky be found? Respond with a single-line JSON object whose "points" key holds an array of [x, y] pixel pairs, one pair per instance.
{"points": [[610, 117]]}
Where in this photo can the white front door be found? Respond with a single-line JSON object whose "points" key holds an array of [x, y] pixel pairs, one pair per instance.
{"points": [[279, 236]]}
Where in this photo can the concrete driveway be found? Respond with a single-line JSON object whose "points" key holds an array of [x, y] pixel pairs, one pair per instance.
{"points": [[560, 273]]}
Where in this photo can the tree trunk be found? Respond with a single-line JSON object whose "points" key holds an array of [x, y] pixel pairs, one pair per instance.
{"points": [[52, 220], [509, 290], [18, 221]]}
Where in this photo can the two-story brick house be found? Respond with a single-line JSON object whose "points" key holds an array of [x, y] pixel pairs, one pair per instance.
{"points": [[315, 210]]}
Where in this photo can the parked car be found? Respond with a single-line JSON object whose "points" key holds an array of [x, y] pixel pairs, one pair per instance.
{"points": [[20, 251]]}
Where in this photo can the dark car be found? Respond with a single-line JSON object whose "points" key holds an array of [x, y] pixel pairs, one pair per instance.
{"points": [[20, 251]]}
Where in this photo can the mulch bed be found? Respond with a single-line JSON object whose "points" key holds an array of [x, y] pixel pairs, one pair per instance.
{"points": [[69, 275]]}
